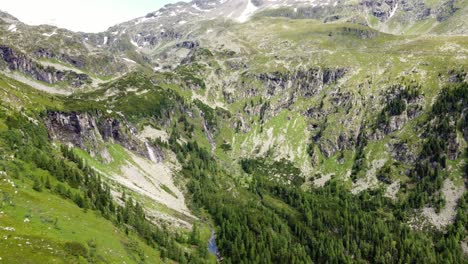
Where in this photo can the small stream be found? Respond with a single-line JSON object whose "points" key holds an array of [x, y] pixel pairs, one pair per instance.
{"points": [[212, 247]]}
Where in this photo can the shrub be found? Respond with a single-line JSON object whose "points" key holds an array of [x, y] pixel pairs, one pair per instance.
{"points": [[76, 249]]}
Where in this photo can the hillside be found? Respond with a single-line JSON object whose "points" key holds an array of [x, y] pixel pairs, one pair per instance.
{"points": [[238, 131]]}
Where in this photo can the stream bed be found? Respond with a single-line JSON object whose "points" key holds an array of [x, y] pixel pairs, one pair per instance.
{"points": [[212, 247]]}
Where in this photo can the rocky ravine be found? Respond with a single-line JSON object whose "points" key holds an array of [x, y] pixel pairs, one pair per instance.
{"points": [[145, 172]]}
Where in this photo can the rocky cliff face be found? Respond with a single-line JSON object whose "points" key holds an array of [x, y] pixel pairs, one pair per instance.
{"points": [[380, 9], [90, 132], [76, 61], [306, 83], [16, 61], [296, 83]]}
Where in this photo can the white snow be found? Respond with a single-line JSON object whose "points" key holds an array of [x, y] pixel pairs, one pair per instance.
{"points": [[182, 22], [393, 11], [134, 43], [198, 8], [143, 19], [115, 33], [49, 34], [248, 12], [128, 60], [12, 28], [105, 40]]}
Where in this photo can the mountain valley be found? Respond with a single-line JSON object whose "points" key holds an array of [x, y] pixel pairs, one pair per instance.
{"points": [[238, 131]]}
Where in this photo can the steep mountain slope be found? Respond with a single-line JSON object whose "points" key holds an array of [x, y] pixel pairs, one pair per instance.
{"points": [[283, 131]]}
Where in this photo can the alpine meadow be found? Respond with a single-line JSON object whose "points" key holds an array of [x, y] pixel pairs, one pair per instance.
{"points": [[238, 131]]}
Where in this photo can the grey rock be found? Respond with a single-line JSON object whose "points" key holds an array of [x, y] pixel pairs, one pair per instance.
{"points": [[17, 61], [89, 132], [401, 152]]}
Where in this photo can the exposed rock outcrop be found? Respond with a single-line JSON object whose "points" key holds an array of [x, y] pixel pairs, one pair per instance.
{"points": [[445, 11], [303, 82], [89, 132], [380, 9], [360, 33], [78, 62], [188, 44], [401, 152], [16, 61], [401, 104]]}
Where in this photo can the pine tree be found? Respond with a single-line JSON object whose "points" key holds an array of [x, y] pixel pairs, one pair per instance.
{"points": [[47, 183], [37, 185]]}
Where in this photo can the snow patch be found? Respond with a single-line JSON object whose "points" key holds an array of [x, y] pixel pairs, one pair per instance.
{"points": [[393, 11], [105, 40], [12, 28], [49, 34], [248, 12], [134, 43], [143, 19], [182, 22], [128, 60], [198, 8]]}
